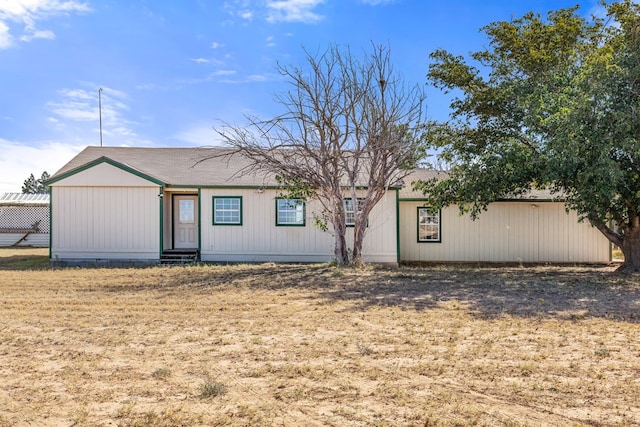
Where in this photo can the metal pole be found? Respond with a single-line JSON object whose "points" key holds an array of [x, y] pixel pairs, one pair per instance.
{"points": [[100, 112]]}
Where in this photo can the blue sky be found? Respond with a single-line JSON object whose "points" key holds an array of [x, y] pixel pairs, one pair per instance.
{"points": [[171, 69]]}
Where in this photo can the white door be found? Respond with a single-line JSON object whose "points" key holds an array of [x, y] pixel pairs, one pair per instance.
{"points": [[185, 222]]}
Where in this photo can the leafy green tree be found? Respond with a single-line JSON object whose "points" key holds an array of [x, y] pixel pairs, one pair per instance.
{"points": [[32, 185], [551, 103], [29, 186]]}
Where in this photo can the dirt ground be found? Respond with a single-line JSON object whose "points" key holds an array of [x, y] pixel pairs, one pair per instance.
{"points": [[314, 345]]}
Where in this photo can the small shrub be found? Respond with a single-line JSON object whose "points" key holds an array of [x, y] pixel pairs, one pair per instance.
{"points": [[364, 349], [212, 389], [161, 373]]}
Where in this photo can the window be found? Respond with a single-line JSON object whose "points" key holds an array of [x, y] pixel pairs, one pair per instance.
{"points": [[428, 225], [227, 211], [187, 211], [350, 217], [290, 212]]}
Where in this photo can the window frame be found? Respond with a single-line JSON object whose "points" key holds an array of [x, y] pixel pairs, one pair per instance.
{"points": [[291, 224], [214, 210], [437, 214], [352, 212]]}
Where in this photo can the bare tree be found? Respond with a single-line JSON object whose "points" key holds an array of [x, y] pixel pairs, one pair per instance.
{"points": [[349, 132]]}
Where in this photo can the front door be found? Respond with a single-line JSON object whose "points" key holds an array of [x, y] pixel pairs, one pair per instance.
{"points": [[185, 222]]}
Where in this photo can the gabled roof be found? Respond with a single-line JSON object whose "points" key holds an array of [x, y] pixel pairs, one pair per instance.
{"points": [[175, 167], [24, 199], [215, 167], [178, 167]]}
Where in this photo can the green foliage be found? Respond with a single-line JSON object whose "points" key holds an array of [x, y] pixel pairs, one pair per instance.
{"points": [[32, 185], [295, 188], [552, 103]]}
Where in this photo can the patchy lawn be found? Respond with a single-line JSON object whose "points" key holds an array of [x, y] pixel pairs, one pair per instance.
{"points": [[24, 258], [314, 345]]}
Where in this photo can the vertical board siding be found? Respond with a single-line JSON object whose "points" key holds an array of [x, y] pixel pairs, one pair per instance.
{"points": [[506, 232], [259, 239], [105, 222]]}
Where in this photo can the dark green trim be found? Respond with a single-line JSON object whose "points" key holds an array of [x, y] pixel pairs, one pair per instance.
{"points": [[419, 199], [199, 222], [529, 200], [304, 214], [161, 203], [418, 226], [50, 221], [213, 207], [108, 161], [239, 187], [398, 226]]}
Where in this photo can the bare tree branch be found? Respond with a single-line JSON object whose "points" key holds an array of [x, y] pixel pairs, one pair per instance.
{"points": [[349, 130]]}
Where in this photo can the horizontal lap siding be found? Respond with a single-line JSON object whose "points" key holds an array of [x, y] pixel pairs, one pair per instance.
{"points": [[259, 239], [105, 222], [506, 232], [40, 240]]}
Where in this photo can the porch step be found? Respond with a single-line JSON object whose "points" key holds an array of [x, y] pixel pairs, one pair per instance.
{"points": [[179, 256]]}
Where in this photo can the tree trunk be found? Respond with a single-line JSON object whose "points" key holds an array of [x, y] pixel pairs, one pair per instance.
{"points": [[341, 251], [631, 250], [359, 231]]}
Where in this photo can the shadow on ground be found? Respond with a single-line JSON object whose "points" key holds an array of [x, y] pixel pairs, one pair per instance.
{"points": [[487, 291], [538, 292]]}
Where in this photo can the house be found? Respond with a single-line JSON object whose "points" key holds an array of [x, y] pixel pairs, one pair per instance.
{"points": [[24, 219], [122, 205], [530, 229]]}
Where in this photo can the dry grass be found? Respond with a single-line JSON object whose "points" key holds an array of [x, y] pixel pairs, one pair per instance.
{"points": [[264, 345]]}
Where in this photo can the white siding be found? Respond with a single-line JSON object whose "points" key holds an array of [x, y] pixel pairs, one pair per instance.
{"points": [[101, 175], [506, 232], [105, 223], [258, 239], [40, 240]]}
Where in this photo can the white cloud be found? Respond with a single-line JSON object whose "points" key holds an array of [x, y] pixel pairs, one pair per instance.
{"points": [[28, 13], [293, 11], [223, 73], [6, 41], [246, 14], [199, 60], [215, 45], [239, 9], [253, 78], [38, 34], [19, 160], [199, 135], [82, 106]]}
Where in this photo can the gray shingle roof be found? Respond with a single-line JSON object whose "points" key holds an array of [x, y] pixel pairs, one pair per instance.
{"points": [[216, 166], [176, 166], [407, 191]]}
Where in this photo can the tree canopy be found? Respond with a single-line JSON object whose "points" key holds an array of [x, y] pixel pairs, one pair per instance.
{"points": [[552, 102], [32, 185]]}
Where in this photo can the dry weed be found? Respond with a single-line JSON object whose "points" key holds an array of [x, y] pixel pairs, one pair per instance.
{"points": [[312, 345]]}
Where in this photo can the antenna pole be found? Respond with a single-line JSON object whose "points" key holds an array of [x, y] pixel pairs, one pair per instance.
{"points": [[100, 112]]}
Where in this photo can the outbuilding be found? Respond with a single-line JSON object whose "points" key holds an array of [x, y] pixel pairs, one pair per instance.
{"points": [[24, 219]]}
